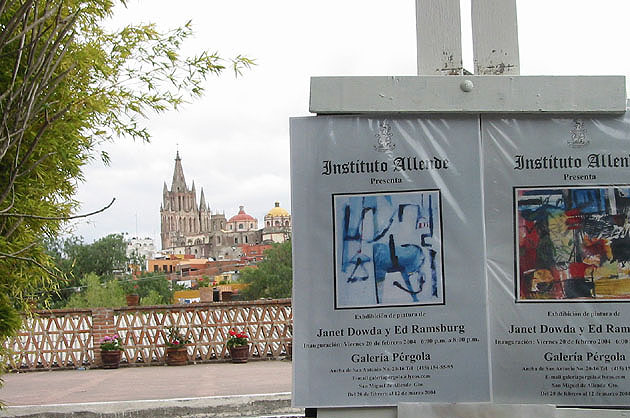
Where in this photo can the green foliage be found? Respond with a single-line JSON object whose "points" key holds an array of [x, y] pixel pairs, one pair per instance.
{"points": [[175, 338], [274, 276], [150, 285], [204, 281], [10, 320], [74, 259], [108, 294], [67, 85], [103, 257], [152, 298]]}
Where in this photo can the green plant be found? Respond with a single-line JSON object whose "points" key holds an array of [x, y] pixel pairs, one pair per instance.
{"points": [[203, 281], [111, 343], [273, 278], [237, 339], [175, 338], [131, 286], [95, 293]]}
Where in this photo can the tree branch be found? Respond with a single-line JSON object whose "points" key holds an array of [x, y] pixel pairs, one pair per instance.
{"points": [[31, 245], [30, 260], [58, 218]]}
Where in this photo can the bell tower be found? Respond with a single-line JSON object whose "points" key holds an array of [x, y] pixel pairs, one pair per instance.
{"points": [[180, 215]]}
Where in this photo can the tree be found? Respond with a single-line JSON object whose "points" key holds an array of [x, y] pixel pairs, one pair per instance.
{"points": [[74, 260], [94, 293], [153, 288], [273, 277], [66, 85], [103, 257]]}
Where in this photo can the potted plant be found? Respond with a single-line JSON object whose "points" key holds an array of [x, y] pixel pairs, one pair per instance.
{"points": [[131, 293], [176, 352], [238, 347], [111, 350]]}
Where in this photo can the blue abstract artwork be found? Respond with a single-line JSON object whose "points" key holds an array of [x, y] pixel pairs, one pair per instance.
{"points": [[388, 249]]}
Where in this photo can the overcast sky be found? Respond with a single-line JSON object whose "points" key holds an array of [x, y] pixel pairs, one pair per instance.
{"points": [[234, 141]]}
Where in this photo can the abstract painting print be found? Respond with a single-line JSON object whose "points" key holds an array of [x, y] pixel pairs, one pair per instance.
{"points": [[388, 249], [572, 243]]}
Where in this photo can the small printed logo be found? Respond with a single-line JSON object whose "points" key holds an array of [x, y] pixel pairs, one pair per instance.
{"points": [[578, 135], [384, 138]]}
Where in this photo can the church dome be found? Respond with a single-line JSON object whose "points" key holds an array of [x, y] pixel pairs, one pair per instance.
{"points": [[241, 216], [277, 211]]}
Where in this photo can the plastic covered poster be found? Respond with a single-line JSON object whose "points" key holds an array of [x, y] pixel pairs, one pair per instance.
{"points": [[557, 202], [389, 297]]}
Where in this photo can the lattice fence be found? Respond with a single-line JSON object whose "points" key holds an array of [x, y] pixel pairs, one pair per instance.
{"points": [[59, 339], [206, 325], [68, 338]]}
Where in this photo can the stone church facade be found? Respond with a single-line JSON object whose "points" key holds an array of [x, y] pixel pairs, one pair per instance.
{"points": [[191, 228]]}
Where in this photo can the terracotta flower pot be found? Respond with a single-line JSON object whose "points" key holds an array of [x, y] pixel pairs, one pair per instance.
{"points": [[176, 356], [239, 354], [111, 359], [133, 299]]}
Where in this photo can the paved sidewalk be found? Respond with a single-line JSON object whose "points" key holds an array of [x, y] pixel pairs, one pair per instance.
{"points": [[254, 388]]}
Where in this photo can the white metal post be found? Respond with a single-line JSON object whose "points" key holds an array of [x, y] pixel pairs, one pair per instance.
{"points": [[495, 37], [439, 39]]}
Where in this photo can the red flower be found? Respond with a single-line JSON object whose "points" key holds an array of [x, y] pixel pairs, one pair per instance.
{"points": [[176, 342], [232, 332]]}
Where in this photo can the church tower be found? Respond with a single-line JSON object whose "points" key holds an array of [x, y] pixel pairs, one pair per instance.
{"points": [[181, 217]]}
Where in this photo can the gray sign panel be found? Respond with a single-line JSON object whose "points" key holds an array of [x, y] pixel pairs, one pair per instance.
{"points": [[557, 200], [389, 297]]}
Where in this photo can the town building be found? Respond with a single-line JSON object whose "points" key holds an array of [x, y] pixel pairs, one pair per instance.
{"points": [[190, 228], [277, 225], [139, 251]]}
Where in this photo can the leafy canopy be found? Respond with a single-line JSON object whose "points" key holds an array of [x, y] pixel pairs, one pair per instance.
{"points": [[273, 277], [66, 85]]}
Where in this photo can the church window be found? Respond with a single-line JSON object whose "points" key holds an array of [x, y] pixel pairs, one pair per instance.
{"points": [[230, 227], [277, 223], [286, 223], [179, 202], [240, 226], [268, 223], [251, 225], [235, 240], [246, 239]]}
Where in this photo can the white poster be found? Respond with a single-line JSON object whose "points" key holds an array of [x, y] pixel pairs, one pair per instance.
{"points": [[557, 200], [389, 297]]}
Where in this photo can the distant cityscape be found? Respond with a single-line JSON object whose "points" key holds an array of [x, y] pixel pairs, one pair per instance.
{"points": [[200, 248]]}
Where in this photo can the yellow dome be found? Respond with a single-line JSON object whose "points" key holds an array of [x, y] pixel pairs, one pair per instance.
{"points": [[278, 211]]}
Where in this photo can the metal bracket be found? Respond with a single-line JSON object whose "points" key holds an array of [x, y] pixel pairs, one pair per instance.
{"points": [[468, 94]]}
